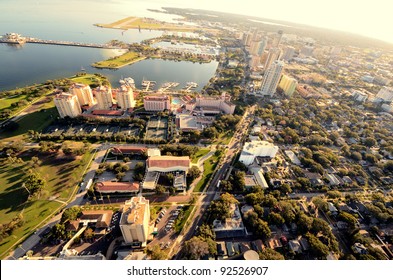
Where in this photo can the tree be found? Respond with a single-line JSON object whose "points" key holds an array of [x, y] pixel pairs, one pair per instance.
{"points": [[139, 171], [270, 254], [34, 183], [195, 248], [71, 214], [226, 186], [369, 142], [88, 234], [192, 174], [156, 253], [160, 189], [304, 223], [276, 219], [205, 231], [348, 218], [317, 248], [238, 181]]}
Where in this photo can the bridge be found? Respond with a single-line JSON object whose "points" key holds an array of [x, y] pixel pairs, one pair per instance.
{"points": [[17, 39]]}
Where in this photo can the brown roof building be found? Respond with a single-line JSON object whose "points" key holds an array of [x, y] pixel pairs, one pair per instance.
{"points": [[168, 163], [101, 218], [120, 187], [128, 150]]}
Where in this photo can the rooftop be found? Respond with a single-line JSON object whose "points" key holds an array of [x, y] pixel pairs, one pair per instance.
{"points": [[109, 187]]}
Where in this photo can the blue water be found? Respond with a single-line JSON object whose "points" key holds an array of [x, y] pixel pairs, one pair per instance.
{"points": [[73, 20]]}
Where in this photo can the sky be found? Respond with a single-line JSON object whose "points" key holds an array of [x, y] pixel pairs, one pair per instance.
{"points": [[369, 18]]}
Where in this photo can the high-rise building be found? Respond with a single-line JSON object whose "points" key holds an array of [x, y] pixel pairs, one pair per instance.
{"points": [[288, 85], [385, 94], [271, 78], [157, 103], [289, 52], [277, 39], [273, 55], [104, 98], [255, 61], [262, 46], [84, 94], [307, 50], [125, 98], [134, 221], [67, 105]]}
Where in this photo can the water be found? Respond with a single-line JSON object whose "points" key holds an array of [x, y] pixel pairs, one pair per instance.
{"points": [[73, 21]]}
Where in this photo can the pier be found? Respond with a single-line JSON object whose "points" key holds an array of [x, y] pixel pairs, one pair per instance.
{"points": [[148, 85], [18, 39], [167, 86], [189, 86]]}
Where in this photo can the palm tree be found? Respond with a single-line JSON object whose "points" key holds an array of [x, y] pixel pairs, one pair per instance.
{"points": [[109, 198]]}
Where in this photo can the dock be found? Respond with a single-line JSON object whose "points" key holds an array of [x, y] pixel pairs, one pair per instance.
{"points": [[167, 86], [18, 39], [148, 85], [189, 86]]}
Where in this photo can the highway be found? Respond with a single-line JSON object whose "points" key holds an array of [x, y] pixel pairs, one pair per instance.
{"points": [[211, 192]]}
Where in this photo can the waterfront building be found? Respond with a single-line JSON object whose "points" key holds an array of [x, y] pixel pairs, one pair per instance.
{"points": [[271, 78], [288, 85], [273, 55], [385, 94], [156, 103], [84, 94], [67, 105], [257, 148], [125, 98], [289, 53], [212, 105], [134, 221], [104, 97]]}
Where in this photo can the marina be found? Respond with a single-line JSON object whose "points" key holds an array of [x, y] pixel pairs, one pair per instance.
{"points": [[167, 86], [148, 85]]}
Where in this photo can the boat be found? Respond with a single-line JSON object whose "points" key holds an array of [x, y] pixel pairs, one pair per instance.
{"points": [[13, 38], [130, 82]]}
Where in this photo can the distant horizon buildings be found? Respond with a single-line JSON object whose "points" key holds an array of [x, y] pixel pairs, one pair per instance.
{"points": [[272, 78], [67, 105], [385, 94], [289, 53]]}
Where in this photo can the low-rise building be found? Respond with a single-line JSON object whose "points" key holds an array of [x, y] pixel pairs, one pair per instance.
{"points": [[254, 149], [157, 103]]}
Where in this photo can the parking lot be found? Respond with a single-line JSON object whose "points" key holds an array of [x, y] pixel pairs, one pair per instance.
{"points": [[91, 130], [164, 222]]}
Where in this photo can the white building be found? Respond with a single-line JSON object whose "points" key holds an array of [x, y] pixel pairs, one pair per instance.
{"points": [[288, 85], [157, 103], [385, 94], [84, 94], [125, 98], [134, 221], [257, 148], [359, 95], [67, 105], [104, 98], [271, 78]]}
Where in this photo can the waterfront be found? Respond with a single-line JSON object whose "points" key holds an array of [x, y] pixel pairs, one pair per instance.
{"points": [[28, 64]]}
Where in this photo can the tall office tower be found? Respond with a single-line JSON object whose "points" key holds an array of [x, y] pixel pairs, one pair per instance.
{"points": [[84, 94], [273, 55], [125, 98], [289, 52], [307, 50], [288, 85], [271, 78], [104, 98], [385, 94], [134, 221], [67, 104], [248, 39], [277, 39], [254, 48], [262, 46], [255, 61]]}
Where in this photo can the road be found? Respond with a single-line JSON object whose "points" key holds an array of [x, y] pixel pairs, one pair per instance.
{"points": [[211, 192]]}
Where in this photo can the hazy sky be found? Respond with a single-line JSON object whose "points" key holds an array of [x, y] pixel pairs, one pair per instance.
{"points": [[369, 18]]}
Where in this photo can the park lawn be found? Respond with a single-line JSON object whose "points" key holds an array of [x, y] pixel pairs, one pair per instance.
{"points": [[179, 225], [224, 138], [199, 154], [33, 214], [87, 79], [33, 121], [62, 178], [6, 102], [208, 169], [119, 61]]}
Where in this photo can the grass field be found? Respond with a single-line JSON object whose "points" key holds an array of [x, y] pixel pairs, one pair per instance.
{"points": [[199, 154], [6, 102], [119, 61], [208, 168], [87, 79], [62, 176], [187, 209], [33, 121]]}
